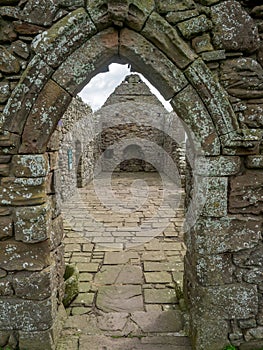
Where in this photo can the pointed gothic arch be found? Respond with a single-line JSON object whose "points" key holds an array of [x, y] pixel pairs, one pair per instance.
{"points": [[67, 56]]}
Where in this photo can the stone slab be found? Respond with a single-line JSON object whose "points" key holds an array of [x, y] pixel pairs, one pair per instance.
{"points": [[116, 258], [112, 321], [127, 298], [160, 296], [157, 277], [121, 274], [158, 322]]}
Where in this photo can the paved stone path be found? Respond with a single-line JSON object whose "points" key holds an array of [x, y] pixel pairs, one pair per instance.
{"points": [[129, 284]]}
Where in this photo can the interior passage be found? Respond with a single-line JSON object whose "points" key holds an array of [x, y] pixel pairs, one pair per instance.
{"points": [[129, 251]]}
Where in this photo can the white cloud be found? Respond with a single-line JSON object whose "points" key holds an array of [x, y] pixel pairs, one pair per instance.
{"points": [[96, 92]]}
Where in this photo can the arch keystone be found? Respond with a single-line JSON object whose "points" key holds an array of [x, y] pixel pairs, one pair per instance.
{"points": [[132, 13]]}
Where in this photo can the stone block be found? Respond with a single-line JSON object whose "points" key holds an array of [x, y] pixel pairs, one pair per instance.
{"points": [[42, 14], [27, 29], [175, 17], [193, 112], [253, 344], [208, 332], [6, 289], [71, 277], [87, 60], [43, 339], [194, 26], [121, 274], [9, 143], [57, 232], [217, 166], [232, 78], [226, 234], [171, 5], [32, 224], [9, 64], [246, 193], [6, 227], [213, 96], [27, 315], [156, 67], [216, 55], [215, 197], [4, 169], [30, 165], [4, 91], [117, 13], [158, 322], [64, 37], [22, 191], [166, 38], [213, 270], [254, 162], [18, 256], [202, 43], [32, 81], [122, 298], [50, 105], [242, 142], [232, 301], [35, 285], [231, 17], [160, 296], [58, 257]]}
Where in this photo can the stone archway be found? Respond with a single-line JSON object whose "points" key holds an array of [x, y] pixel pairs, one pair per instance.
{"points": [[222, 297]]}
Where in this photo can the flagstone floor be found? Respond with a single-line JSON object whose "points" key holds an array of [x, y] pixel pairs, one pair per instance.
{"points": [[124, 235]]}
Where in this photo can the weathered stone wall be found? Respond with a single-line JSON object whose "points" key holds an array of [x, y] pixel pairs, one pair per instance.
{"points": [[78, 151], [137, 132], [205, 55]]}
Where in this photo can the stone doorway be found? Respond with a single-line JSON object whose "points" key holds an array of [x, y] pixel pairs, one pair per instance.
{"points": [[194, 62], [124, 231], [130, 284]]}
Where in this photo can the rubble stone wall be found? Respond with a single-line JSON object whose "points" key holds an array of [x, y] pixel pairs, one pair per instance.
{"points": [[204, 55]]}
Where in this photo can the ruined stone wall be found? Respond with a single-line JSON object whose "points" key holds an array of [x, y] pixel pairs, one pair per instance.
{"points": [[78, 151], [205, 55], [137, 132]]}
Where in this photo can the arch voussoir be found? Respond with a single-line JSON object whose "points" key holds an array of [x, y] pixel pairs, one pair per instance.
{"points": [[87, 61], [64, 37], [147, 59]]}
